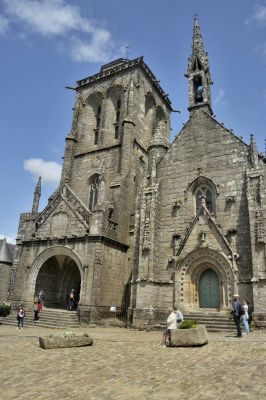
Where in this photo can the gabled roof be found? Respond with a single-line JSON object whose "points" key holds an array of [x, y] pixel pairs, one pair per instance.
{"points": [[66, 194], [191, 117], [6, 252], [203, 210]]}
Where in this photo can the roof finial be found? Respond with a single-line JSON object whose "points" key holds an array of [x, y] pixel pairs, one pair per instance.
{"points": [[127, 51], [37, 195], [253, 151]]}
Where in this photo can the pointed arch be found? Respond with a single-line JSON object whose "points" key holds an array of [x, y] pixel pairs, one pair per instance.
{"points": [[94, 191], [114, 112], [149, 116], [203, 186], [190, 271], [94, 112]]}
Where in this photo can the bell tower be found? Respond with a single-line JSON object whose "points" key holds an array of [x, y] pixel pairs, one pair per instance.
{"points": [[198, 73]]}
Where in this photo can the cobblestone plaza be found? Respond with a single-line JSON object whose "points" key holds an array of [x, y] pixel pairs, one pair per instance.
{"points": [[124, 364]]}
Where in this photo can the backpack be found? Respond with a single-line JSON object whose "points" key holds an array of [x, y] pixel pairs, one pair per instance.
{"points": [[241, 310]]}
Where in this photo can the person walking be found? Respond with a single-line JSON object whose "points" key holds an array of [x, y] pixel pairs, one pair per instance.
{"points": [[245, 317], [37, 310], [21, 314], [236, 314]]}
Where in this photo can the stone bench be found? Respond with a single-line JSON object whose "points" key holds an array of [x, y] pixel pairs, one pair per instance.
{"points": [[56, 342], [189, 337]]}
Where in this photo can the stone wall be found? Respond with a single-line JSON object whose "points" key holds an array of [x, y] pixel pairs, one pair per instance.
{"points": [[4, 281]]}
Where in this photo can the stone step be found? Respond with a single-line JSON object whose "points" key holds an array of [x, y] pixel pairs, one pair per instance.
{"points": [[49, 318]]}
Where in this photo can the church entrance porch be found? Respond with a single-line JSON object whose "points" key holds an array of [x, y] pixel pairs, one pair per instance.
{"points": [[57, 277], [56, 270], [204, 282]]}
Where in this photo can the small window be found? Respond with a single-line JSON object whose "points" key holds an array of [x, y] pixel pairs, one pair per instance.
{"points": [[117, 132], [94, 192], [117, 118], [204, 191], [98, 122], [96, 137]]}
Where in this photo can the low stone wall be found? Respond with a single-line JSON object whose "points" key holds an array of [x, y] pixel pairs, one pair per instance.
{"points": [[56, 342], [149, 318], [189, 337]]}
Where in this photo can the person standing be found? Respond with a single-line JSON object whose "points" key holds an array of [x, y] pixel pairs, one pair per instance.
{"points": [[245, 317], [71, 300], [236, 314], [21, 314]]}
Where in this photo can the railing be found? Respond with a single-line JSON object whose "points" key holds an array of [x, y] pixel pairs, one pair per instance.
{"points": [[108, 314]]}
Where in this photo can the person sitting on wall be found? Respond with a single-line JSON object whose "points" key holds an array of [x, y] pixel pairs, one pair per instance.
{"points": [[171, 324]]}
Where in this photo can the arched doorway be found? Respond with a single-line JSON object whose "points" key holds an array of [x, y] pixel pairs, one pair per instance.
{"points": [[57, 276], [209, 292]]}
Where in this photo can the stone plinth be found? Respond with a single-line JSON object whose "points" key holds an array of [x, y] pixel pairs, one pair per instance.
{"points": [[57, 342], [189, 337]]}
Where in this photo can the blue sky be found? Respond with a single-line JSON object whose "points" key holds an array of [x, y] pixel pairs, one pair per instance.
{"points": [[46, 45]]}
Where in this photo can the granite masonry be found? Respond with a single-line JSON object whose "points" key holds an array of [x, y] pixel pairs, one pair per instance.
{"points": [[140, 224]]}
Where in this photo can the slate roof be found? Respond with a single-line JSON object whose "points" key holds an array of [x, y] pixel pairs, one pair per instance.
{"points": [[6, 252]]}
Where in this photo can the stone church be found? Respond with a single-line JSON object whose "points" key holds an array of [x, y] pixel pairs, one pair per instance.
{"points": [[138, 222]]}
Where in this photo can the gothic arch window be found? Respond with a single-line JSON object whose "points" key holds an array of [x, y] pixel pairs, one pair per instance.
{"points": [[94, 116], [203, 186], [94, 188], [113, 113], [98, 122], [198, 89], [205, 192], [160, 120], [117, 119]]}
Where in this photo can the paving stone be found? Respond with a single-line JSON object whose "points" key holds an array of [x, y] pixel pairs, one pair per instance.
{"points": [[124, 364]]}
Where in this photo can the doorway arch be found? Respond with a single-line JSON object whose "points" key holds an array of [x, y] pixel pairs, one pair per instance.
{"points": [[209, 291], [57, 271], [192, 267], [57, 277]]}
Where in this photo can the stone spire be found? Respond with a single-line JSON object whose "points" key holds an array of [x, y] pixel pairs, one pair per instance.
{"points": [[37, 195], [253, 151], [198, 72], [197, 43]]}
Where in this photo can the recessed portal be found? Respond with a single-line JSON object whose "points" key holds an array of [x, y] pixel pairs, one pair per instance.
{"points": [[57, 277], [209, 293]]}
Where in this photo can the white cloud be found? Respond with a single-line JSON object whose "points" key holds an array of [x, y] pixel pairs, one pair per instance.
{"points": [[219, 97], [57, 18], [48, 17], [259, 15], [260, 49], [9, 239], [98, 49], [50, 171], [3, 25]]}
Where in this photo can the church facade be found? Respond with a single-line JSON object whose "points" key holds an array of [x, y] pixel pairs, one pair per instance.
{"points": [[138, 222]]}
